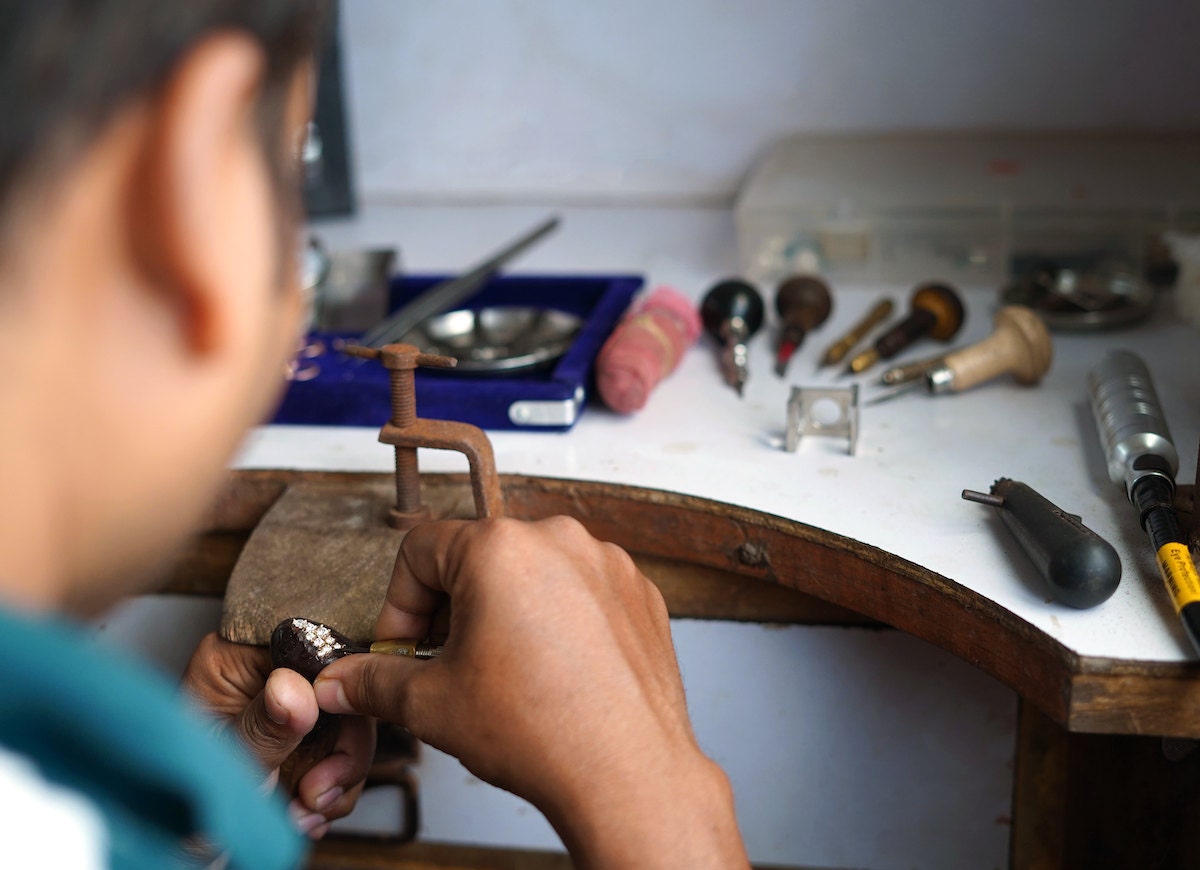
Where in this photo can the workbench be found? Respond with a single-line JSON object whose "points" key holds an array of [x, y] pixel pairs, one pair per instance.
{"points": [[700, 479]]}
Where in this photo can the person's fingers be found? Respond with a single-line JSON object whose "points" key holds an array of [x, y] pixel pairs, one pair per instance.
{"points": [[434, 557], [412, 596], [222, 676], [393, 688], [276, 720], [334, 784], [313, 825]]}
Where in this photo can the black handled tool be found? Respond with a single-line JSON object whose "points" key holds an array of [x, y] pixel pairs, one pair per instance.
{"points": [[732, 311], [1081, 568]]}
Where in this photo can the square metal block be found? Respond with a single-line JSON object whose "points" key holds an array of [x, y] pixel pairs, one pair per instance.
{"points": [[806, 417]]}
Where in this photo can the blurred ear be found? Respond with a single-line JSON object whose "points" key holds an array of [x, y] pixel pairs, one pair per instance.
{"points": [[201, 167]]}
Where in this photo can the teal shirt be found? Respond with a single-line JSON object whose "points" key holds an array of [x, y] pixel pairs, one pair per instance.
{"points": [[108, 727]]}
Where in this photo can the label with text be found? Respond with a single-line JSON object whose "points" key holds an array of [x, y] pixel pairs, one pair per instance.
{"points": [[1179, 573]]}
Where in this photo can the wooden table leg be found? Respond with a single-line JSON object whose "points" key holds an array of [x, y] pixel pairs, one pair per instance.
{"points": [[1098, 800]]}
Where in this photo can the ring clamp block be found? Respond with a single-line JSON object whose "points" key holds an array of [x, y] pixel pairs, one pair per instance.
{"points": [[803, 419]]}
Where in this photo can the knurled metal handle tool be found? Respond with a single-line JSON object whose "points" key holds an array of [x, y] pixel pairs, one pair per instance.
{"points": [[1142, 457]]}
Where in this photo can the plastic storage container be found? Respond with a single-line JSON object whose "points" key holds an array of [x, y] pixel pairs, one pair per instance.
{"points": [[963, 207]]}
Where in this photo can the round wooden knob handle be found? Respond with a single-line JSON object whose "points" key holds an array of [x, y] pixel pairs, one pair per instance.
{"points": [[1020, 344]]}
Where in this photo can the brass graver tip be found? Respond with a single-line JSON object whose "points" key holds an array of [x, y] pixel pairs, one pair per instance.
{"points": [[863, 361]]}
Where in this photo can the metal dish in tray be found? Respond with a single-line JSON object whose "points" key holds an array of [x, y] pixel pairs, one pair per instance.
{"points": [[1098, 297], [502, 338]]}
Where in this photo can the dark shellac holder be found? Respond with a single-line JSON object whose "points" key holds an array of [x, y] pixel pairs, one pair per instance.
{"points": [[307, 647]]}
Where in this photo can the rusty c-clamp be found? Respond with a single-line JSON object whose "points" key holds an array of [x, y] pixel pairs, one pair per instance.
{"points": [[406, 432]]}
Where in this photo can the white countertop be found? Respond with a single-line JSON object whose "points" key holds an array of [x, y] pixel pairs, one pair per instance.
{"points": [[901, 492]]}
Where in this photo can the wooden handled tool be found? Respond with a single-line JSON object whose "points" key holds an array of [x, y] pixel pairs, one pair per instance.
{"points": [[935, 310], [837, 351], [803, 303], [1019, 344]]}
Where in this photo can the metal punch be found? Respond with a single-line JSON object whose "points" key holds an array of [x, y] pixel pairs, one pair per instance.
{"points": [[802, 421]]}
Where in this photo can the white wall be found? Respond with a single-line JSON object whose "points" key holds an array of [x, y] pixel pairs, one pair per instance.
{"points": [[670, 101]]}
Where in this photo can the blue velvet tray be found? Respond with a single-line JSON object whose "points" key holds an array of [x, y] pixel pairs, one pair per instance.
{"points": [[350, 392]]}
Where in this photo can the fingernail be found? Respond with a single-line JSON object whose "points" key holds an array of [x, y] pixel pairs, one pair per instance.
{"points": [[296, 810], [332, 697], [318, 832], [310, 822], [272, 780], [325, 798]]}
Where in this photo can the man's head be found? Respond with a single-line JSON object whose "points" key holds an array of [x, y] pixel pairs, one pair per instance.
{"points": [[149, 189], [68, 66]]}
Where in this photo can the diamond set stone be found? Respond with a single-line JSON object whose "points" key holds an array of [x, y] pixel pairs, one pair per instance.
{"points": [[318, 637]]}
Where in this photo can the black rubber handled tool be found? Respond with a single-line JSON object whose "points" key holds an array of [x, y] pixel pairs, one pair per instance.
{"points": [[732, 311], [1081, 568]]}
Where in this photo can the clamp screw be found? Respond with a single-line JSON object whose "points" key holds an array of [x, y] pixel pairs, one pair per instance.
{"points": [[401, 360]]}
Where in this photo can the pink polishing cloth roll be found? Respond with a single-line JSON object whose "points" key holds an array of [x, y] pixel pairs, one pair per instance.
{"points": [[644, 348]]}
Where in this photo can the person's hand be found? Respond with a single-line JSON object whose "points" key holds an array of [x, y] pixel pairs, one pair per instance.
{"points": [[271, 712], [558, 682]]}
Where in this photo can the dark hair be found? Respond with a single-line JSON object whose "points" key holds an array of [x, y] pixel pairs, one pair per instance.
{"points": [[67, 66]]}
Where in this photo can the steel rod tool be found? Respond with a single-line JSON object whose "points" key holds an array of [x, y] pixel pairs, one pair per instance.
{"points": [[445, 295]]}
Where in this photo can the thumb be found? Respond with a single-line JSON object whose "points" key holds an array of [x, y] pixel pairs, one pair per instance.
{"points": [[273, 724], [392, 688]]}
